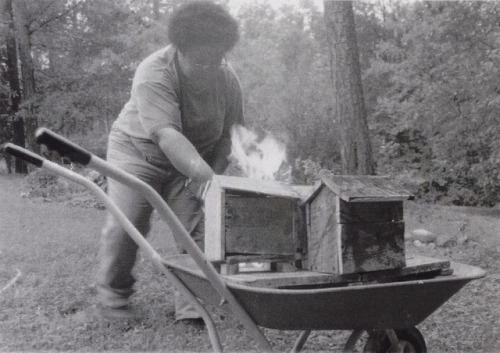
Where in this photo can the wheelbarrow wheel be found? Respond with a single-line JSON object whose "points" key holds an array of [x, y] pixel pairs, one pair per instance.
{"points": [[409, 341]]}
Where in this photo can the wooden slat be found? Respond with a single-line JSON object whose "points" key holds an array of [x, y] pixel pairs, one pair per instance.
{"points": [[322, 246], [259, 225], [416, 265], [301, 231], [235, 259], [266, 187], [372, 246], [214, 224], [287, 279], [370, 212], [365, 188], [306, 192]]}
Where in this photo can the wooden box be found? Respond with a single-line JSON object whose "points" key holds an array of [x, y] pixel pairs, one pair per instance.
{"points": [[253, 218], [355, 224]]}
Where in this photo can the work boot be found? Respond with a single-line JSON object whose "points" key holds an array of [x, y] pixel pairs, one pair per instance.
{"points": [[117, 314]]}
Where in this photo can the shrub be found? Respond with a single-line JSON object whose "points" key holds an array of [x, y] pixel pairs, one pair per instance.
{"points": [[40, 184]]}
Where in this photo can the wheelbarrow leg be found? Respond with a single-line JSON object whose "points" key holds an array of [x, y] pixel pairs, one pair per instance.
{"points": [[352, 340], [397, 346], [184, 290], [300, 341]]}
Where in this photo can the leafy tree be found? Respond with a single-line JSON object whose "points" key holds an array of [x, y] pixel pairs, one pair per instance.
{"points": [[429, 72], [93, 51], [283, 67], [442, 69]]}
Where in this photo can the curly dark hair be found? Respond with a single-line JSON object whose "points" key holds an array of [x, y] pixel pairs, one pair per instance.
{"points": [[202, 22]]}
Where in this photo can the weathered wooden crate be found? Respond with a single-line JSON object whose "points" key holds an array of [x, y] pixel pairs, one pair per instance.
{"points": [[251, 219], [355, 224]]}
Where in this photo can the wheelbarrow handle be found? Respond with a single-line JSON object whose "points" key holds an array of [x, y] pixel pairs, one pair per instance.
{"points": [[58, 170], [63, 146], [23, 154], [80, 155]]}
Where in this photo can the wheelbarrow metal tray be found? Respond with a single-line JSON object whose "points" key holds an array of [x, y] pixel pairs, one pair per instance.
{"points": [[395, 305]]}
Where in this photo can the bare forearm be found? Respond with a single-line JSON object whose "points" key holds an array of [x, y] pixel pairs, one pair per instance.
{"points": [[183, 155]]}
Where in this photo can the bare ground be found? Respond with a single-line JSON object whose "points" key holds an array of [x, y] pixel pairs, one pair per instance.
{"points": [[49, 250]]}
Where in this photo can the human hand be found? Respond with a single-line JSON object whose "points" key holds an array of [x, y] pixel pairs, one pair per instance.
{"points": [[197, 189]]}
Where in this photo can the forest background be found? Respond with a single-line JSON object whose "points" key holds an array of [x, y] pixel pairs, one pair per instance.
{"points": [[430, 73]]}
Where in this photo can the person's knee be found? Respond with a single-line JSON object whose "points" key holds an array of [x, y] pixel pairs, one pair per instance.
{"points": [[113, 229]]}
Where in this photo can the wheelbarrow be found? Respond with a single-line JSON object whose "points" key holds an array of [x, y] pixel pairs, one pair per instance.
{"points": [[389, 312]]}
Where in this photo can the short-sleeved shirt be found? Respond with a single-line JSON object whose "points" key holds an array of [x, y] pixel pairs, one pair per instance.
{"points": [[160, 98]]}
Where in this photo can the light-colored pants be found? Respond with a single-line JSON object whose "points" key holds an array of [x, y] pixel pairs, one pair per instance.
{"points": [[118, 251]]}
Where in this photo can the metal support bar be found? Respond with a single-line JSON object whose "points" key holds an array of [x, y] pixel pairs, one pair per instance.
{"points": [[396, 345], [352, 340], [299, 344]]}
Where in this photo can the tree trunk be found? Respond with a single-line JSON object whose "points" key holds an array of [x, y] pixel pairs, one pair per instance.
{"points": [[348, 99], [156, 9], [27, 71], [18, 134]]}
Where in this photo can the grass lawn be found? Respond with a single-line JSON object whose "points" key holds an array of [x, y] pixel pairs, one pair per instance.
{"points": [[51, 305]]}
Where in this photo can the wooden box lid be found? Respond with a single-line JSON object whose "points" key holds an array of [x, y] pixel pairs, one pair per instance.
{"points": [[256, 186], [362, 188]]}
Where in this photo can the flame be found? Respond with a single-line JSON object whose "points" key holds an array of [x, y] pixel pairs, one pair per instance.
{"points": [[257, 160]]}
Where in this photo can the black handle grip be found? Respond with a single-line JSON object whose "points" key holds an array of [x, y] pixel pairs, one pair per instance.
{"points": [[23, 154], [63, 146]]}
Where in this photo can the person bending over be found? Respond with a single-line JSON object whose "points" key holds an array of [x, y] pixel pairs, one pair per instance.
{"points": [[174, 134]]}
